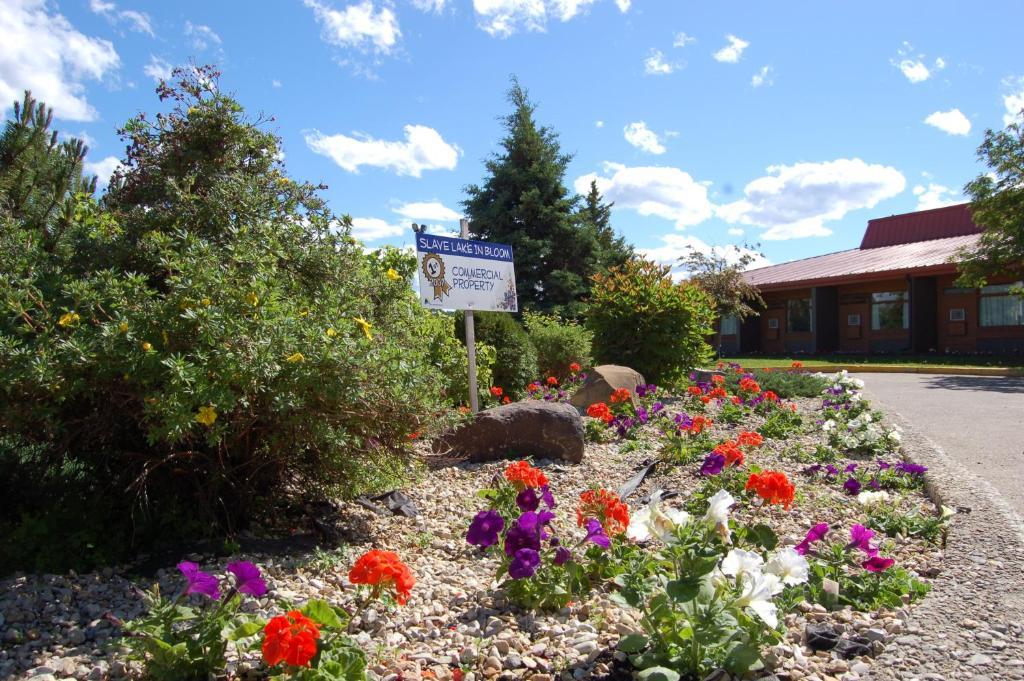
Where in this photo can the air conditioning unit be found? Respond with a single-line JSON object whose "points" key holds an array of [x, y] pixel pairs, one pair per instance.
{"points": [[853, 320], [957, 314]]}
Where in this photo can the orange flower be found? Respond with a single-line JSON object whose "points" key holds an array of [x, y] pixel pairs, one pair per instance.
{"points": [[749, 385], [523, 475], [600, 411], [718, 380], [736, 399], [769, 395], [792, 406], [620, 395], [768, 370], [738, 370], [506, 400], [700, 424], [383, 569], [772, 486], [798, 365], [718, 392], [705, 398], [749, 439], [730, 450], [552, 380], [496, 391], [606, 507], [574, 367], [413, 435], [533, 387], [693, 390], [290, 639]]}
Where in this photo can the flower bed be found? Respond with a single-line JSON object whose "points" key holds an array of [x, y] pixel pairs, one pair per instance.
{"points": [[532, 571]]}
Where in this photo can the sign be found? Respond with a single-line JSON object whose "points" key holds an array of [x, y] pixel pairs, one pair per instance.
{"points": [[462, 274]]}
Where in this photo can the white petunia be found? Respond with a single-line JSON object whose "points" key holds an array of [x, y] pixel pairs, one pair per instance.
{"points": [[788, 565], [638, 529], [872, 498], [653, 520], [757, 594], [895, 435], [739, 562], [718, 512]]}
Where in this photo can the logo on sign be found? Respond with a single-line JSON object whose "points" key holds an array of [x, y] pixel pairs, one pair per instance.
{"points": [[433, 269]]}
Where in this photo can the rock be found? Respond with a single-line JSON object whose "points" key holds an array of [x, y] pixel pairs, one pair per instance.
{"points": [[875, 635], [821, 636], [602, 381], [521, 429], [849, 648], [979, 660]]}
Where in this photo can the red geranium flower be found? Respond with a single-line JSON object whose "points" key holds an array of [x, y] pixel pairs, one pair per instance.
{"points": [[700, 424], [523, 475], [736, 399], [574, 367], [601, 411], [718, 392], [383, 569], [496, 391], [533, 387], [749, 385], [506, 400], [772, 486], [733, 454], [290, 639], [552, 380], [620, 395], [770, 396], [693, 390], [749, 439], [606, 507], [798, 365], [718, 380]]}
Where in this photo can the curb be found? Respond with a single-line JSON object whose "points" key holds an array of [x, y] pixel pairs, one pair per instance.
{"points": [[898, 369]]}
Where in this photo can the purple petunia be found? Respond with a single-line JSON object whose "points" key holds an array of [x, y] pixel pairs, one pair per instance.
{"points": [[524, 564], [813, 469], [641, 415], [874, 484], [852, 486], [199, 582], [831, 471], [562, 556], [683, 421], [713, 464], [815, 534], [527, 500], [884, 465], [877, 564], [860, 538], [656, 408], [484, 529], [911, 468], [547, 496], [850, 468], [248, 578], [596, 534]]}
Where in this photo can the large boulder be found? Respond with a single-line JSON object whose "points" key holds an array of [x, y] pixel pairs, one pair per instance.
{"points": [[602, 381], [550, 430]]}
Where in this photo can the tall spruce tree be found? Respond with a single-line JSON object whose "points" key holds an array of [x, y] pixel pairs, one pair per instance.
{"points": [[524, 202], [596, 215]]}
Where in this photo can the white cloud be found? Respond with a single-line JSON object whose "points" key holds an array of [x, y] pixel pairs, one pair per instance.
{"points": [[202, 36], [422, 149], [762, 77], [428, 210], [567, 9], [275, 83], [913, 66], [44, 53], [655, 64], [598, 124], [735, 231], [663, 191], [643, 138], [951, 122], [795, 201], [682, 40], [731, 53], [370, 229], [935, 196], [102, 169], [679, 245], [158, 68], [429, 5], [624, 5], [502, 18], [1013, 100], [358, 26], [137, 21]]}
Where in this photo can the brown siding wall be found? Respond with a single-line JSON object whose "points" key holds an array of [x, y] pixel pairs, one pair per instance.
{"points": [[970, 335], [778, 340], [856, 299]]}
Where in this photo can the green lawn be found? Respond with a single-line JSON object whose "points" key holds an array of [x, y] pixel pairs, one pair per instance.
{"points": [[759, 361]]}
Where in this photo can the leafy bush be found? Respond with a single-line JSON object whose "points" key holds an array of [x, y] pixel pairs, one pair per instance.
{"points": [[788, 384], [642, 319], [515, 362], [209, 337], [559, 343], [781, 424]]}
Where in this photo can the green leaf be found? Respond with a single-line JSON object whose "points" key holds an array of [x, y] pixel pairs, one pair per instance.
{"points": [[633, 643], [741, 659], [487, 493], [657, 674], [324, 614], [763, 536], [682, 590], [245, 630]]}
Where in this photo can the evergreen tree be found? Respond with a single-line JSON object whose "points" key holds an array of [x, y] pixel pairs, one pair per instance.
{"points": [[39, 176], [596, 216], [524, 202]]}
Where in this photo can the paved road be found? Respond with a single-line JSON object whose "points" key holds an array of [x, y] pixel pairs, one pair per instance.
{"points": [[977, 420]]}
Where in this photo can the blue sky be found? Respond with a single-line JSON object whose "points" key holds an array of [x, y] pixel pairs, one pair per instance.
{"points": [[789, 124]]}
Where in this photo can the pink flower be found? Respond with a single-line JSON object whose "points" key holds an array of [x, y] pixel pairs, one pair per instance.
{"points": [[877, 564]]}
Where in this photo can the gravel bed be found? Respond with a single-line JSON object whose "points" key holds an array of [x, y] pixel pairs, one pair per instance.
{"points": [[53, 626]]}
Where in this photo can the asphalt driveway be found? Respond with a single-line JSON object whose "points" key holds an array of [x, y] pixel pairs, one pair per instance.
{"points": [[977, 420]]}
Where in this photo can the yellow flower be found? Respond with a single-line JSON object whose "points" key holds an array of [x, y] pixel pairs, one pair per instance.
{"points": [[393, 275], [297, 357], [206, 416], [365, 326], [207, 302], [69, 319], [304, 313], [252, 299], [147, 346], [331, 333], [123, 327]]}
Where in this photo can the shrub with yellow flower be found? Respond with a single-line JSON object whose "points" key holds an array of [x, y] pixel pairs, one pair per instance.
{"points": [[69, 319], [295, 358], [365, 326], [207, 415]]}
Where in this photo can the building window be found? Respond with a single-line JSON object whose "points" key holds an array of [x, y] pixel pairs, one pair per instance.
{"points": [[773, 322], [798, 316], [957, 314], [853, 320], [730, 325], [890, 311], [1000, 308]]}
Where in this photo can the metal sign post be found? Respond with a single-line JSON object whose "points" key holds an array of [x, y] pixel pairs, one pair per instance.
{"points": [[474, 397]]}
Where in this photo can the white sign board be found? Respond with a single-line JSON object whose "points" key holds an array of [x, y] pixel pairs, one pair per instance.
{"points": [[461, 274]]}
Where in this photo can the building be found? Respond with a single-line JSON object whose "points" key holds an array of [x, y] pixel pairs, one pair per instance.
{"points": [[895, 293]]}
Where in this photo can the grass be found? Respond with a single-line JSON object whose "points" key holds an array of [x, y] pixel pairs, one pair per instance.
{"points": [[973, 362]]}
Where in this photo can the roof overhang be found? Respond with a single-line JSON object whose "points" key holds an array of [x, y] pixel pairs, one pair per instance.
{"points": [[859, 278]]}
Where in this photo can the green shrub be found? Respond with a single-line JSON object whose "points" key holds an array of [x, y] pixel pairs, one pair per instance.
{"points": [[642, 319], [786, 384], [449, 355], [209, 339], [515, 363], [559, 343]]}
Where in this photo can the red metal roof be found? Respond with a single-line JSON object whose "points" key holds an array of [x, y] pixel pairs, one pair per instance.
{"points": [[861, 264], [923, 225]]}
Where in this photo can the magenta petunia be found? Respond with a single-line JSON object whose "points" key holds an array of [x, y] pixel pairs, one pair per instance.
{"points": [[249, 580], [199, 582], [860, 538], [815, 534], [877, 564]]}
